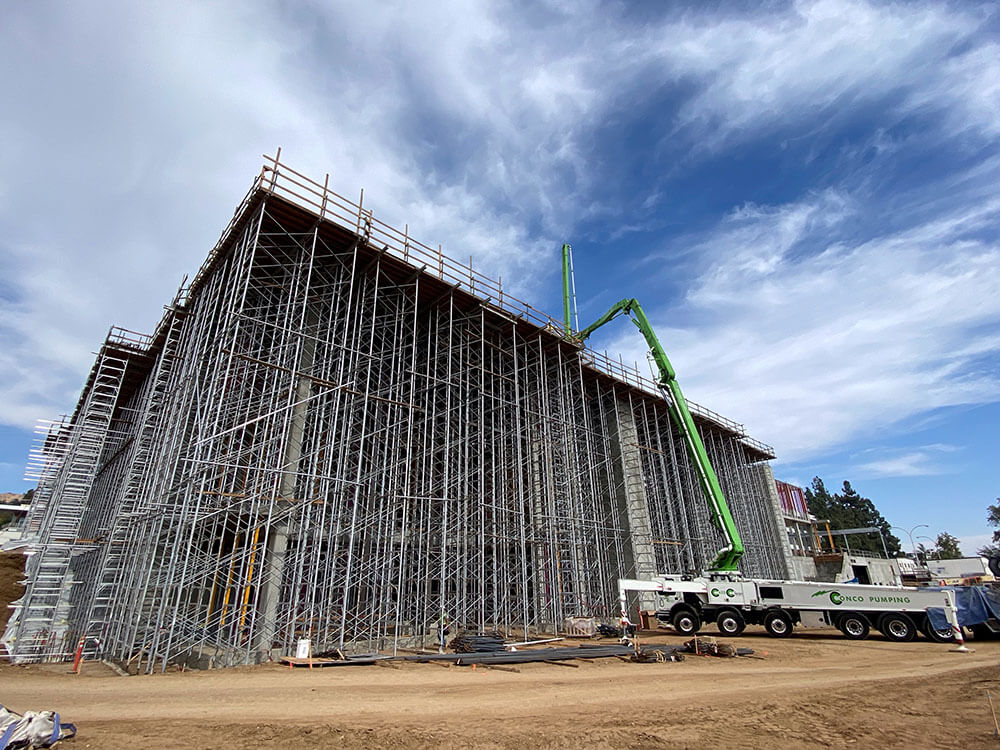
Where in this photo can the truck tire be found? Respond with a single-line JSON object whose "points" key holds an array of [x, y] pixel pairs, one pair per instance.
{"points": [[730, 622], [778, 623], [897, 627], [685, 620], [933, 634], [854, 626]]}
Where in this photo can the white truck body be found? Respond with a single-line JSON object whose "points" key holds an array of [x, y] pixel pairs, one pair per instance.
{"points": [[732, 602], [828, 596]]}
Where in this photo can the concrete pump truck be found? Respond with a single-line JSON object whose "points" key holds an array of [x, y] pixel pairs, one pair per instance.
{"points": [[721, 594]]}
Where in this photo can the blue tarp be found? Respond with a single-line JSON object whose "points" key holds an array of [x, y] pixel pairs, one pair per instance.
{"points": [[976, 604]]}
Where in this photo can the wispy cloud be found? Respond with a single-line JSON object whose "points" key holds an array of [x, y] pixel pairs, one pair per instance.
{"points": [[922, 461], [812, 341], [828, 59], [129, 143], [916, 464]]}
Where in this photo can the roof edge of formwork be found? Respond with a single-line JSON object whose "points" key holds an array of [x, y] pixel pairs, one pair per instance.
{"points": [[113, 344], [253, 196]]}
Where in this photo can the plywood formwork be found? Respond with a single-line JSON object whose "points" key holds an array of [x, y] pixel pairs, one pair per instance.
{"points": [[340, 434]]}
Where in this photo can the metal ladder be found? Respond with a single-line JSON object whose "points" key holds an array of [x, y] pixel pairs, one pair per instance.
{"points": [[43, 620], [108, 609]]}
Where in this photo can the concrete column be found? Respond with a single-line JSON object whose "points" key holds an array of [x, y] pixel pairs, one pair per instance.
{"points": [[770, 489], [277, 541], [632, 501]]}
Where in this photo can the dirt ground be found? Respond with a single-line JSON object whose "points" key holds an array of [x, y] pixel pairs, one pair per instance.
{"points": [[11, 573], [814, 690]]}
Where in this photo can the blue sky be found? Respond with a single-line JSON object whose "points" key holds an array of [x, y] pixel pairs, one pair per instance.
{"points": [[803, 195]]}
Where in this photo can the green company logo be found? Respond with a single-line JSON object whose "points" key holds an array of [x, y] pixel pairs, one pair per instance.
{"points": [[716, 592], [729, 592], [835, 596]]}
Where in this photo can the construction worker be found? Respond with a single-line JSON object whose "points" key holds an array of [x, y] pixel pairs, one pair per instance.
{"points": [[443, 631]]}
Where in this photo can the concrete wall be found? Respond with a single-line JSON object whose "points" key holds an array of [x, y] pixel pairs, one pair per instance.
{"points": [[840, 568]]}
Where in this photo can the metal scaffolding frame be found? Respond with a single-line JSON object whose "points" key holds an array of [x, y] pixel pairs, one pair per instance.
{"points": [[338, 433]]}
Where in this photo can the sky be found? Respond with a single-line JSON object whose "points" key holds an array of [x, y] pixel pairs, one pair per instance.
{"points": [[803, 195]]}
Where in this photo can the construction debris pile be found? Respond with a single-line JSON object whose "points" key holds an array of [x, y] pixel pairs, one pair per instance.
{"points": [[658, 654], [708, 646]]}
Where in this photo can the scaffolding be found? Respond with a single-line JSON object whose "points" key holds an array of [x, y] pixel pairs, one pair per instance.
{"points": [[339, 433]]}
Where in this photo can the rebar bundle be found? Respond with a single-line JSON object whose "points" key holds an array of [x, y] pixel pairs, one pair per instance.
{"points": [[340, 434], [469, 643]]}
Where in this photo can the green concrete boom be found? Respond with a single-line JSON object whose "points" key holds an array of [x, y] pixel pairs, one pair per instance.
{"points": [[728, 558]]}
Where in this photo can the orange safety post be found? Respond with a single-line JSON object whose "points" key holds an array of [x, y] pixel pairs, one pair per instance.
{"points": [[78, 659]]}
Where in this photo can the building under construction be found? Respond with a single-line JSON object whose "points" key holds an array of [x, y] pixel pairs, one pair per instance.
{"points": [[338, 433]]}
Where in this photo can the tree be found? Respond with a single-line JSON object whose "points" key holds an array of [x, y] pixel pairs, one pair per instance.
{"points": [[849, 510], [818, 499], [946, 547], [989, 550], [992, 519]]}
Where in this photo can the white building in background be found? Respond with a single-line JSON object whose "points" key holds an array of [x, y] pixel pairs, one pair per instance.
{"points": [[816, 556], [13, 530], [958, 570]]}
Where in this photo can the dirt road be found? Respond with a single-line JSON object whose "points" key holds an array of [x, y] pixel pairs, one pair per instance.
{"points": [[815, 690]]}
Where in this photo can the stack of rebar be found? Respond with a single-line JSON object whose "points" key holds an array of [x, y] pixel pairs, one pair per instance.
{"points": [[470, 643], [528, 655]]}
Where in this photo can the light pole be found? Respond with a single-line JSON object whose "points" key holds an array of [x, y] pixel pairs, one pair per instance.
{"points": [[913, 547], [933, 544]]}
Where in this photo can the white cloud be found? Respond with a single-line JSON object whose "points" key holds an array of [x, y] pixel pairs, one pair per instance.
{"points": [[825, 58], [811, 349], [916, 463], [129, 143]]}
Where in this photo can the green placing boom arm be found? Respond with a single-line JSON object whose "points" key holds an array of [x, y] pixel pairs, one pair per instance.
{"points": [[728, 558]]}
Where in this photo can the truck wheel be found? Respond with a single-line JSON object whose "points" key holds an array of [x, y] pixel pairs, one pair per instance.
{"points": [[730, 622], [897, 627], [933, 634], [685, 620], [778, 623], [855, 626]]}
